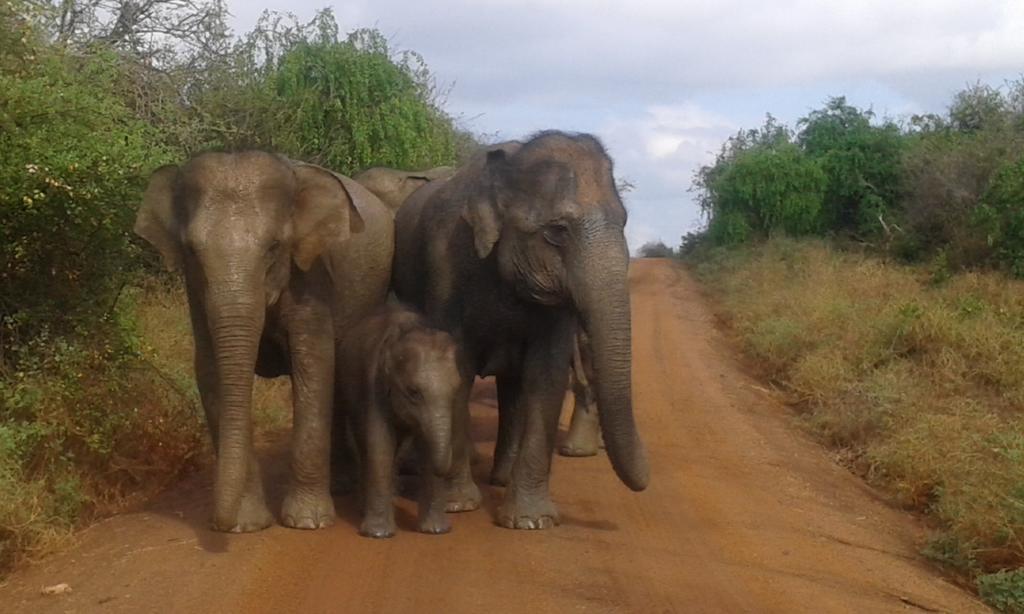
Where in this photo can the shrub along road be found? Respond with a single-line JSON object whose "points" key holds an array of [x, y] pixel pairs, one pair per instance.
{"points": [[744, 514]]}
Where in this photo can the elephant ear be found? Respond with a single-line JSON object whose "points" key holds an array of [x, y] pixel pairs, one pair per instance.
{"points": [[326, 212], [482, 211], [415, 182], [155, 220]]}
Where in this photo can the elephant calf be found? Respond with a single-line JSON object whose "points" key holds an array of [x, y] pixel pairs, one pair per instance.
{"points": [[401, 380]]}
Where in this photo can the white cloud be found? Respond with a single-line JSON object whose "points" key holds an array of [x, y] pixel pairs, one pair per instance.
{"points": [[658, 149]]}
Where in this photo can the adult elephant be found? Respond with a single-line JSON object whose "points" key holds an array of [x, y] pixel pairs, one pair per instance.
{"points": [[279, 258], [508, 255], [393, 186]]}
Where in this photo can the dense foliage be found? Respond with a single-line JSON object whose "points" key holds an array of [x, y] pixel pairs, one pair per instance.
{"points": [[73, 160], [97, 405], [934, 187], [860, 162]]}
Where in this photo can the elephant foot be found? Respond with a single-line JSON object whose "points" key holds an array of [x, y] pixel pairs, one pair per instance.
{"points": [[253, 515], [435, 524], [463, 496], [306, 510], [519, 512], [377, 526], [584, 438], [578, 447]]}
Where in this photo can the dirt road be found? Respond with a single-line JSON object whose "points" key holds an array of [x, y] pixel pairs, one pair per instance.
{"points": [[743, 514]]}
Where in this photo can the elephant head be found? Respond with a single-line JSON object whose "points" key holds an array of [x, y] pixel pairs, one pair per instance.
{"points": [[393, 186], [238, 225], [550, 215], [422, 378]]}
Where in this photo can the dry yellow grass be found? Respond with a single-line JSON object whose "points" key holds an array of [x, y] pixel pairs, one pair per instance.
{"points": [[917, 378]]}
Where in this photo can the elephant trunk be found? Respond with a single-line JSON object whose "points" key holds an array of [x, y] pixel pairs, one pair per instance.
{"points": [[601, 293], [235, 318], [437, 435]]}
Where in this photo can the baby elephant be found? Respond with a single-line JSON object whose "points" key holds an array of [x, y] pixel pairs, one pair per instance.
{"points": [[400, 379]]}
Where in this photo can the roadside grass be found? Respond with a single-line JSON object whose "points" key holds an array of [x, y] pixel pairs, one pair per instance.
{"points": [[104, 422], [914, 374]]}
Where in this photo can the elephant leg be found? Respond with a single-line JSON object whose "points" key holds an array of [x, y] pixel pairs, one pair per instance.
{"points": [[253, 513], [463, 493], [432, 500], [511, 422], [527, 503], [584, 436], [308, 503], [378, 443]]}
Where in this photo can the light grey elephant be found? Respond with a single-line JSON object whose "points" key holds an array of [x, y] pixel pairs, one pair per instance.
{"points": [[393, 186], [279, 259]]}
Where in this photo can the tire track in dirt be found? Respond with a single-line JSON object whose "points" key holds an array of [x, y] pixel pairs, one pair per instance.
{"points": [[744, 514]]}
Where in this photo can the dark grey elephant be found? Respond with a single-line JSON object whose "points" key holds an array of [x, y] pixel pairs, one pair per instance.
{"points": [[393, 186], [400, 383], [508, 255], [279, 259]]}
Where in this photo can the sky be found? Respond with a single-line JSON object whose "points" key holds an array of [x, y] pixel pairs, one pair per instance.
{"points": [[663, 83]]}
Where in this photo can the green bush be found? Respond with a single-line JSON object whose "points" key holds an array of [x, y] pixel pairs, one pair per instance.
{"points": [[946, 175], [1001, 215], [773, 189], [73, 161], [347, 104], [86, 423], [1003, 590], [861, 163]]}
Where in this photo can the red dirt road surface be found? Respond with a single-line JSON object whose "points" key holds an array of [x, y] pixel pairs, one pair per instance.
{"points": [[744, 514]]}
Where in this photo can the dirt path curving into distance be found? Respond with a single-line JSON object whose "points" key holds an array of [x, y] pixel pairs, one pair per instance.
{"points": [[744, 514]]}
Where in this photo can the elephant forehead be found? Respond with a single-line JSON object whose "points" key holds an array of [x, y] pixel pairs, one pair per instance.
{"points": [[225, 227], [589, 172]]}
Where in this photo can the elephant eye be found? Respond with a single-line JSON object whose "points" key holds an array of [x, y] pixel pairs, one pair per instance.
{"points": [[556, 233], [273, 247], [414, 395]]}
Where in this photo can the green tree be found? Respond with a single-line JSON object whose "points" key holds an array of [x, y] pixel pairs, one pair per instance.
{"points": [[861, 162], [1001, 216], [978, 107], [344, 103], [348, 105], [760, 184], [73, 160]]}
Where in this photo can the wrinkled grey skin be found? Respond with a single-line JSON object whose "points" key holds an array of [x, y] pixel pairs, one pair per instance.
{"points": [[393, 186], [401, 382], [279, 259], [584, 437], [508, 255]]}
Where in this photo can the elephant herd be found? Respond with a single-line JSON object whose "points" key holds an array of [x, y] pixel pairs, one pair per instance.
{"points": [[383, 297]]}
